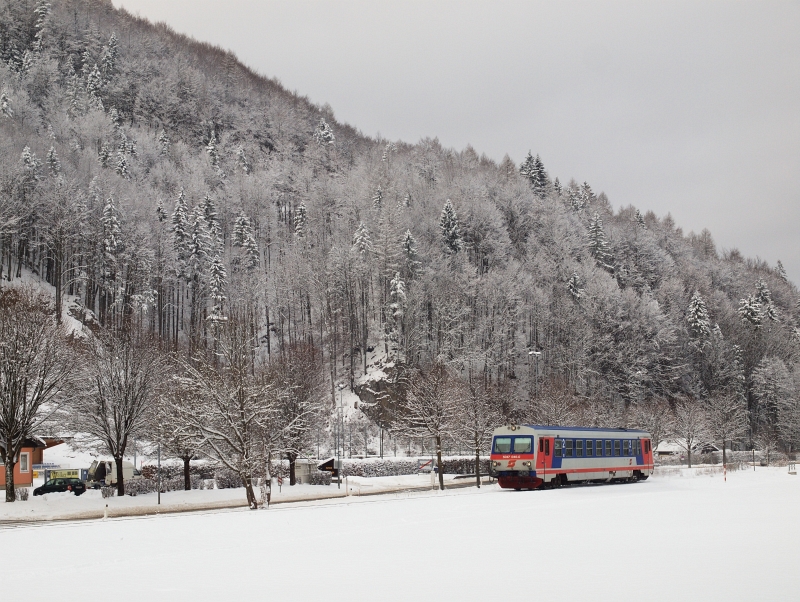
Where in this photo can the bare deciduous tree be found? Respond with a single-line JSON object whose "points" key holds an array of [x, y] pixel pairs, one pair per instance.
{"points": [[477, 416], [35, 370], [691, 426]]}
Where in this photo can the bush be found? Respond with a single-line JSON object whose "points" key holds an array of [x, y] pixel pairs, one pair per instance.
{"points": [[320, 478], [227, 479], [108, 491], [392, 467], [21, 494]]}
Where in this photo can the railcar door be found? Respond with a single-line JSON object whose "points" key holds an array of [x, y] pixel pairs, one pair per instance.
{"points": [[544, 462]]}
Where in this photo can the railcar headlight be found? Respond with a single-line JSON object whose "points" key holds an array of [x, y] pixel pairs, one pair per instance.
{"points": [[495, 464], [526, 464]]}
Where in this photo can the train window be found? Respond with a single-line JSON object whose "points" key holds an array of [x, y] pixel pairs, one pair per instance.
{"points": [[547, 447], [502, 445], [523, 445], [647, 446], [629, 448], [569, 448], [616, 447], [599, 447], [558, 445], [579, 448], [608, 447], [541, 445], [638, 447], [589, 448]]}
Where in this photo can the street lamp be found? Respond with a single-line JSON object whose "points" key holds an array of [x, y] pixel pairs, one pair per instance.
{"points": [[536, 355], [339, 435]]}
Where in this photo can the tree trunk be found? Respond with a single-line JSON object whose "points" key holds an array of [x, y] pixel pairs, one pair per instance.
{"points": [[9, 465], [689, 454], [252, 502], [187, 482], [724, 456], [292, 460], [57, 279], [439, 460], [120, 477], [478, 467]]}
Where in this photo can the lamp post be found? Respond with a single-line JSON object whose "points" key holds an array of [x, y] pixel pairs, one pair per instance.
{"points": [[339, 439], [536, 355]]}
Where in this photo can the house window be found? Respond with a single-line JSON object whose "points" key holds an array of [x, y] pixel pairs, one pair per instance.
{"points": [[23, 462]]}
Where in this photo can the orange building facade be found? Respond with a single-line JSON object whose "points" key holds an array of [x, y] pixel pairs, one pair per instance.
{"points": [[23, 469]]}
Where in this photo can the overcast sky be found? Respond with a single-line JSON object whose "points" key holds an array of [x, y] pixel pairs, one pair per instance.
{"points": [[690, 108]]}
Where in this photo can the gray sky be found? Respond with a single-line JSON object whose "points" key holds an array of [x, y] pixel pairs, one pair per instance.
{"points": [[691, 108]]}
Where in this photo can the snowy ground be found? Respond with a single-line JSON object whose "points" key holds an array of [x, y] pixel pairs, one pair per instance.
{"points": [[682, 536]]}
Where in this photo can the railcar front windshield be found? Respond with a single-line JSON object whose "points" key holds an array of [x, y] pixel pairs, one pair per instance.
{"points": [[523, 445], [502, 445]]}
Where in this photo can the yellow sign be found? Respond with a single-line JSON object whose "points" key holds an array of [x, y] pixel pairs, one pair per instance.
{"points": [[73, 473]]}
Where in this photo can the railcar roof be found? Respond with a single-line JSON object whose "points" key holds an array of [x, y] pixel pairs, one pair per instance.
{"points": [[583, 428]]}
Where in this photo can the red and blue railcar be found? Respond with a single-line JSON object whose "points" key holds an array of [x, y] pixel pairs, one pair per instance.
{"points": [[533, 456]]}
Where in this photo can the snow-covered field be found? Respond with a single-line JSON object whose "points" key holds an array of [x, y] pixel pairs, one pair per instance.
{"points": [[686, 535]]}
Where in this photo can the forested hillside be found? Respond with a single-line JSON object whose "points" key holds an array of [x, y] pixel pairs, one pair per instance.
{"points": [[163, 188]]}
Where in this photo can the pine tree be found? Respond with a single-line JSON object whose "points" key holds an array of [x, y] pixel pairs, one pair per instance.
{"points": [[586, 194], [448, 225], [122, 164], [30, 162], [640, 220], [180, 231], [212, 226], [211, 149], [52, 161], [362, 242], [300, 221], [750, 311], [251, 254], [540, 177], [409, 246], [111, 238], [74, 92], [198, 244], [574, 288], [217, 283], [241, 229], [557, 187], [527, 168], [397, 297], [161, 214], [697, 317], [576, 200], [94, 82], [598, 245], [241, 158], [163, 142], [323, 134], [781, 271], [104, 155], [5, 105], [377, 199], [764, 297], [109, 59], [41, 11]]}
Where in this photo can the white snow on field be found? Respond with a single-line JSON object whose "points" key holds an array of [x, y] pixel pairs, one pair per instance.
{"points": [[687, 535]]}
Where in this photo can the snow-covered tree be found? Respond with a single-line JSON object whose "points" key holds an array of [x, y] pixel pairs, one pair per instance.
{"points": [[574, 287], [598, 245], [211, 150], [52, 161], [324, 134], [751, 311], [377, 199], [242, 160], [362, 243], [30, 162], [411, 262], [5, 105], [163, 143], [477, 415], [36, 371], [300, 221], [448, 226], [94, 83], [691, 426], [698, 318]]}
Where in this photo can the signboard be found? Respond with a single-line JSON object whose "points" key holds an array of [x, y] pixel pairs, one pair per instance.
{"points": [[66, 473], [426, 465]]}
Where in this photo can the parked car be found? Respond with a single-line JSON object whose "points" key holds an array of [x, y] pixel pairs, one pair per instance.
{"points": [[59, 485]]}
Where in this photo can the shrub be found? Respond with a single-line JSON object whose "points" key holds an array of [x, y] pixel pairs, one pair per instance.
{"points": [[227, 479], [320, 478], [107, 491]]}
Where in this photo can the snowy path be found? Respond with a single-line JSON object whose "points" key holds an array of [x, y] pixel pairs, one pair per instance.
{"points": [[674, 537]]}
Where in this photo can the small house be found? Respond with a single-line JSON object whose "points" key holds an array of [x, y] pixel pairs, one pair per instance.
{"points": [[23, 469]]}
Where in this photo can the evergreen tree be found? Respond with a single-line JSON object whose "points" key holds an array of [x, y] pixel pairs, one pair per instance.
{"points": [[217, 283], [764, 297], [241, 230], [161, 214], [409, 246], [640, 220], [30, 162], [598, 245], [52, 161], [448, 225], [527, 168], [750, 311], [41, 11], [300, 221], [377, 199], [122, 164], [586, 194], [94, 82], [241, 159], [109, 60], [574, 288], [251, 254], [180, 231], [557, 187], [5, 105], [211, 149], [163, 142], [323, 134], [697, 317], [212, 226], [111, 238], [362, 243], [781, 271], [104, 155]]}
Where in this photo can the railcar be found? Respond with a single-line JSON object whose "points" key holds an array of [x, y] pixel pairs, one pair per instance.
{"points": [[534, 456]]}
